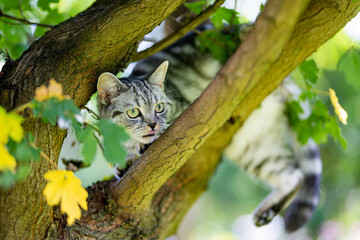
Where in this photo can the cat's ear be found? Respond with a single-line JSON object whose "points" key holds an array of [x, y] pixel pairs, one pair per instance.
{"points": [[108, 87], [158, 77]]}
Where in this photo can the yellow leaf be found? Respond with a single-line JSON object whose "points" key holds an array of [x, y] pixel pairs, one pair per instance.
{"points": [[339, 111], [65, 188], [54, 89], [10, 126], [7, 162]]}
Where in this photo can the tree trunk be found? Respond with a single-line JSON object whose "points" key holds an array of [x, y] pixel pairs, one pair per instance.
{"points": [[157, 190]]}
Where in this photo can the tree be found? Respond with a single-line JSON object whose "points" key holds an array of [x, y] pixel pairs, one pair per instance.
{"points": [[157, 190]]}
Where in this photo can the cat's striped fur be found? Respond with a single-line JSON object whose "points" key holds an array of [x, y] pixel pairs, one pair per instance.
{"points": [[266, 147]]}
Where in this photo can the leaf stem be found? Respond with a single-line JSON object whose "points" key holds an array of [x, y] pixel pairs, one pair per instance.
{"points": [[21, 108], [47, 158]]}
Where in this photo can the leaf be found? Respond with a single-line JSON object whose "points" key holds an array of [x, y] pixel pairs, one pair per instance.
{"points": [[23, 151], [53, 108], [87, 137], [224, 14], [196, 7], [7, 178], [11, 126], [113, 138], [54, 90], [64, 188], [349, 65], [339, 111], [333, 127], [262, 6], [220, 45], [7, 162], [309, 71]]}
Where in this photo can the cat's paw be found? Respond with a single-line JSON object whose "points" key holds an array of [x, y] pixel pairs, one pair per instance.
{"points": [[263, 217]]}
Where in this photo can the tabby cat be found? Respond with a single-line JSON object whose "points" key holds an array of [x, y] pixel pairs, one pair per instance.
{"points": [[266, 147]]}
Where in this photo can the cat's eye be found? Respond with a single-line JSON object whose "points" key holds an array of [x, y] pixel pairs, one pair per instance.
{"points": [[133, 113], [159, 108]]}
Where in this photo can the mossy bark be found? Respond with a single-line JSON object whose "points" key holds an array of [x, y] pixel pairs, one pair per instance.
{"points": [[158, 190]]}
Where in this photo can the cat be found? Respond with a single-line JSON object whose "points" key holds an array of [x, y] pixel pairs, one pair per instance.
{"points": [[266, 146]]}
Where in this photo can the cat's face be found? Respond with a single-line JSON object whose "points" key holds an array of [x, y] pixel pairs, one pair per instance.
{"points": [[139, 105]]}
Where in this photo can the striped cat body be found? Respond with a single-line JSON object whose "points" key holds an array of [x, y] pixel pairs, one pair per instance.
{"points": [[266, 147]]}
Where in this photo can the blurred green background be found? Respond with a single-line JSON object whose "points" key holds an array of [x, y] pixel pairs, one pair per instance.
{"points": [[223, 212]]}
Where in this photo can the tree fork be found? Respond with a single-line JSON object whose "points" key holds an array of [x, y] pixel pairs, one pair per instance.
{"points": [[173, 199]]}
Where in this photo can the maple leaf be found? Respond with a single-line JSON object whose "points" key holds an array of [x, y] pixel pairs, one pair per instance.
{"points": [[54, 89], [339, 111], [7, 162], [65, 188]]}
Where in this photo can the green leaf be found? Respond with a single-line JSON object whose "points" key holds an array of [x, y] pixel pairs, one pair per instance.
{"points": [[262, 6], [7, 178], [22, 172], [220, 45], [23, 151], [333, 127], [224, 14], [6, 5], [87, 137], [309, 71], [113, 138], [349, 65], [53, 108], [196, 7]]}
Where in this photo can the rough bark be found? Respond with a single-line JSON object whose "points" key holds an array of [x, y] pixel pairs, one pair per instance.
{"points": [[157, 217], [75, 52]]}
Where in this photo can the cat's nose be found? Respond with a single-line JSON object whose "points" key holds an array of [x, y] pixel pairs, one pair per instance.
{"points": [[152, 126]]}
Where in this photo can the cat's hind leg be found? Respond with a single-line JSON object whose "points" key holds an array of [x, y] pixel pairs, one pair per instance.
{"points": [[286, 184]]}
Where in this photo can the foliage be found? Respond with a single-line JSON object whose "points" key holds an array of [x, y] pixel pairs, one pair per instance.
{"points": [[318, 123], [64, 187], [53, 107], [16, 36], [224, 39]]}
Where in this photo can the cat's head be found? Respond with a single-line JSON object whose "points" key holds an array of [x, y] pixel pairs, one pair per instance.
{"points": [[138, 104]]}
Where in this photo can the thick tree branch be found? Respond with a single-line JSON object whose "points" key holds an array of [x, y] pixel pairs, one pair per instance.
{"points": [[262, 47], [74, 53]]}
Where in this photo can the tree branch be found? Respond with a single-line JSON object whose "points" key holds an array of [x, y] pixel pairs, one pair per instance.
{"points": [[179, 33], [24, 21], [261, 48]]}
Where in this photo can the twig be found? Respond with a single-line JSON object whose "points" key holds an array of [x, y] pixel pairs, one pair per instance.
{"points": [[21, 108], [24, 21], [179, 33], [91, 111], [44, 156]]}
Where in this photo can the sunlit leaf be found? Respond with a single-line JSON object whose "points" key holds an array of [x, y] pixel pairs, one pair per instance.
{"points": [[339, 111], [7, 162], [222, 15], [64, 188], [11, 126]]}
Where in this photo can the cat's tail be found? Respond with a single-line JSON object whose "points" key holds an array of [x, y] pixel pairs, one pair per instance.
{"points": [[306, 200]]}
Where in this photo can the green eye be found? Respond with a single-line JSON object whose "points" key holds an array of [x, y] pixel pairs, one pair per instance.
{"points": [[159, 108], [133, 113]]}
